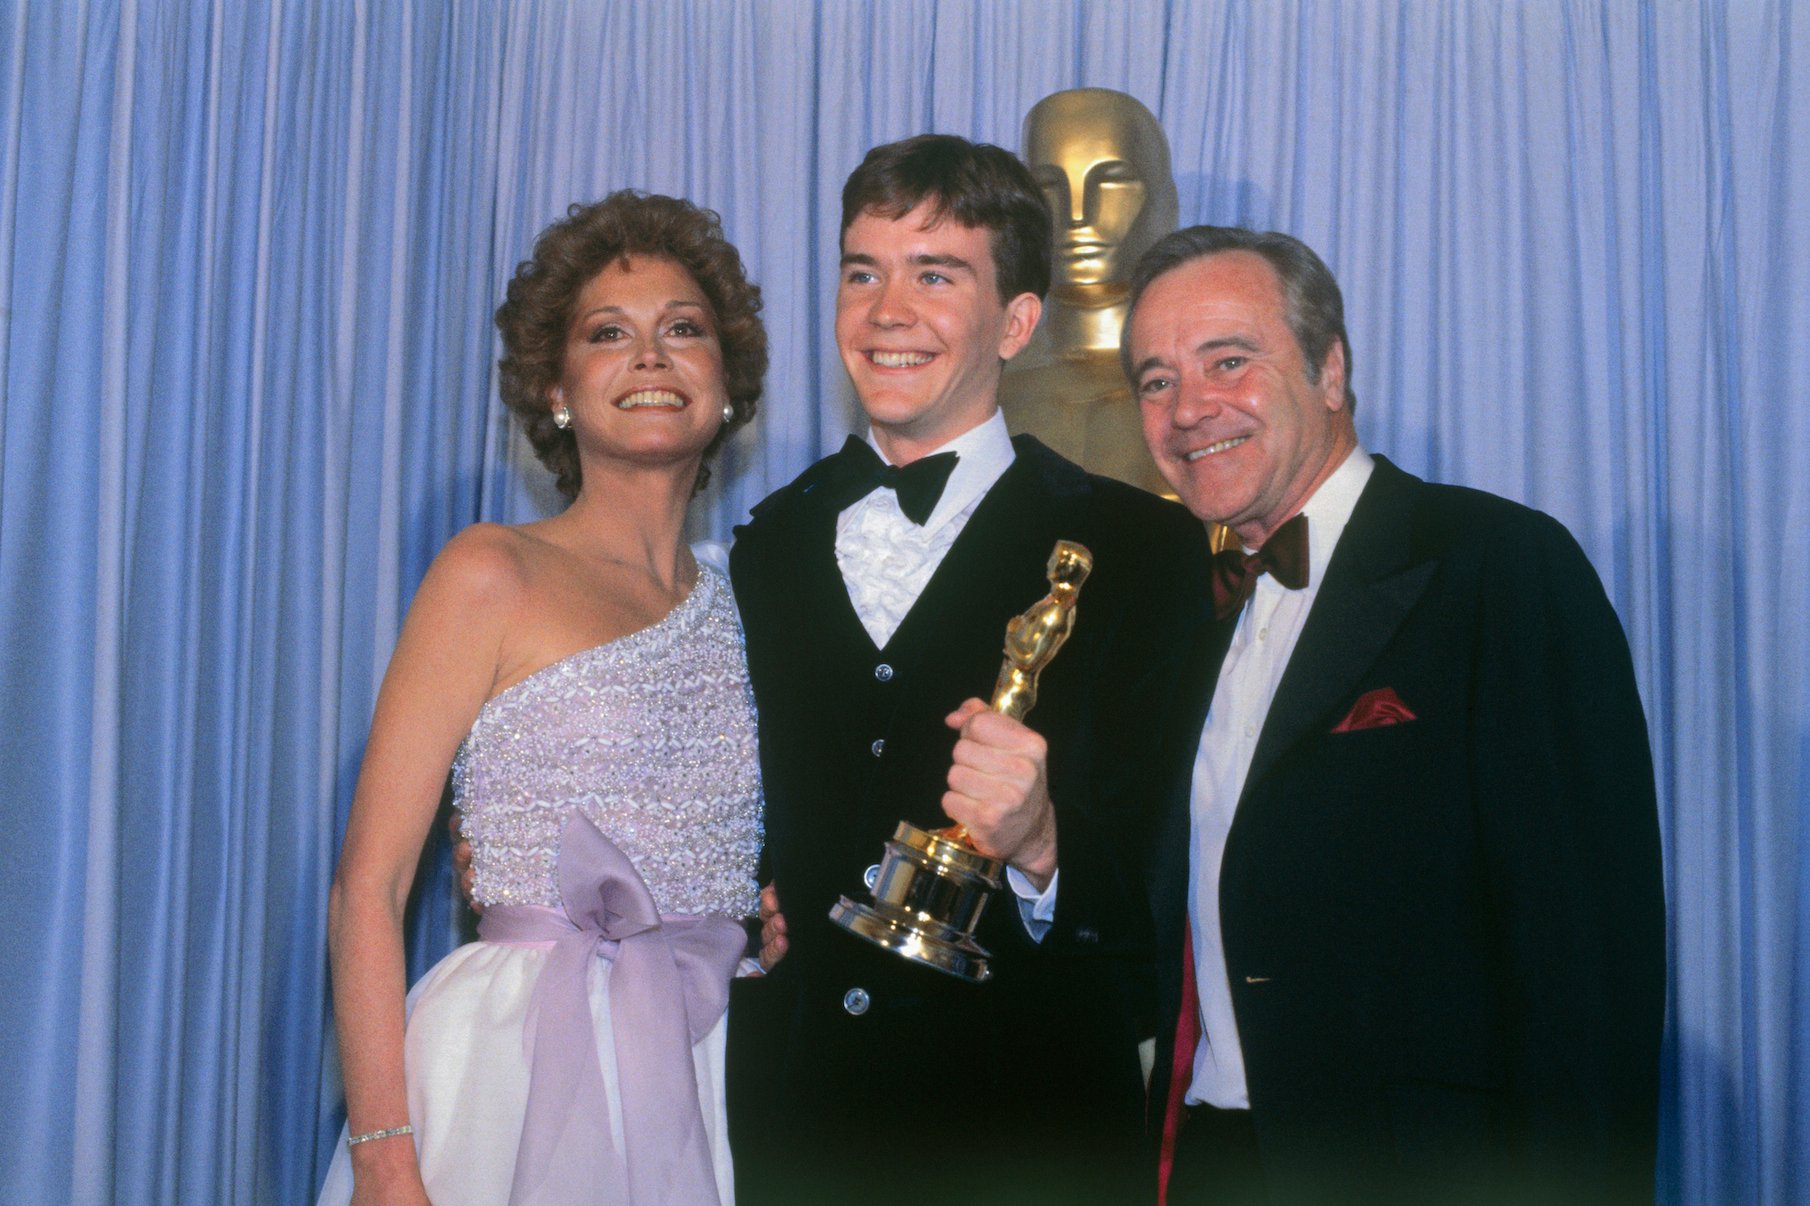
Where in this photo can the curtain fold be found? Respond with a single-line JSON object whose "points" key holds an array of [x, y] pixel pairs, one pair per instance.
{"points": [[248, 257]]}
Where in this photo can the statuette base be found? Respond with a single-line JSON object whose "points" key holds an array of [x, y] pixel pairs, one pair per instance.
{"points": [[928, 898]]}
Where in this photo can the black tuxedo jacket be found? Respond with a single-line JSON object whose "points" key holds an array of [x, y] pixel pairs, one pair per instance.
{"points": [[845, 1054], [1444, 936]]}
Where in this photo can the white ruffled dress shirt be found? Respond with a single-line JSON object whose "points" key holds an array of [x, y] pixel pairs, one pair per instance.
{"points": [[886, 560]]}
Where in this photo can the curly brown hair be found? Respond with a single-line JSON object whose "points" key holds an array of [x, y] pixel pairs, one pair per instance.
{"points": [[536, 313]]}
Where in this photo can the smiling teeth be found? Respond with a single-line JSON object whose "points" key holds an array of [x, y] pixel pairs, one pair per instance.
{"points": [[652, 397], [900, 359], [1221, 446]]}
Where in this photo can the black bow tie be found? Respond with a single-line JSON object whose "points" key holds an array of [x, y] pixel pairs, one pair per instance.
{"points": [[858, 471]]}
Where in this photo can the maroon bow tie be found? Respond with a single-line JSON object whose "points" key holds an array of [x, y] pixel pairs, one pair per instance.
{"points": [[1235, 572]]}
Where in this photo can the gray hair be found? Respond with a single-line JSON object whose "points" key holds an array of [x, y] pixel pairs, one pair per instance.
{"points": [[1316, 309]]}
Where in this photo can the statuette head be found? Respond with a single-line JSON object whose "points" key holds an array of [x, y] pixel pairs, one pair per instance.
{"points": [[1103, 164]]}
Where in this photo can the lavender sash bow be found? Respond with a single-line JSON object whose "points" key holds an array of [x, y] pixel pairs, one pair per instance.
{"points": [[669, 983]]}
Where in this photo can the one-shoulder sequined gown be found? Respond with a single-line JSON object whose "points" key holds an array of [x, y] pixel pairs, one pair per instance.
{"points": [[642, 752]]}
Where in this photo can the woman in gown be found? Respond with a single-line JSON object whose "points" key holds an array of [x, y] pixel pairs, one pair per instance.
{"points": [[583, 678]]}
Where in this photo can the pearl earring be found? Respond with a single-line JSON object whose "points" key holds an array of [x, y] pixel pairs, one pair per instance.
{"points": [[728, 412], [562, 418]]}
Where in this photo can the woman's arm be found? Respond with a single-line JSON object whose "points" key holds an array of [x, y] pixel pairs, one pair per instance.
{"points": [[443, 668]]}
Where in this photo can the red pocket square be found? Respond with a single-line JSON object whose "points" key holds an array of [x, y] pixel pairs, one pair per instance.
{"points": [[1375, 710]]}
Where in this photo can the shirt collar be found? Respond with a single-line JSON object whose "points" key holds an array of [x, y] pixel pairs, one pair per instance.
{"points": [[1329, 509], [985, 452]]}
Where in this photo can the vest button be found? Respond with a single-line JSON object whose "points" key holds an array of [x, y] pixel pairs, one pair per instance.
{"points": [[878, 747], [883, 672], [855, 1002]]}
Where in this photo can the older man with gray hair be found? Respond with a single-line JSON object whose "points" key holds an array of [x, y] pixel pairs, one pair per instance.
{"points": [[1407, 888]]}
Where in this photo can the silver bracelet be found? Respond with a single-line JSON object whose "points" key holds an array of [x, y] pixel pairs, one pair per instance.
{"points": [[404, 1129]]}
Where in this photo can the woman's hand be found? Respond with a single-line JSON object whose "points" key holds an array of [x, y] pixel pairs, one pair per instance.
{"points": [[461, 860], [772, 929]]}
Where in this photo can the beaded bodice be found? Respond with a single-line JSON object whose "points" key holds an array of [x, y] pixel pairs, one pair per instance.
{"points": [[652, 737]]}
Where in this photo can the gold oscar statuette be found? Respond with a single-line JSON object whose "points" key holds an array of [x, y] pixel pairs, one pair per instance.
{"points": [[933, 886]]}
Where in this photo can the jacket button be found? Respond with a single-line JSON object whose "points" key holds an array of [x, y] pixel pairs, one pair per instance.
{"points": [[855, 1002], [871, 876], [878, 747], [883, 672]]}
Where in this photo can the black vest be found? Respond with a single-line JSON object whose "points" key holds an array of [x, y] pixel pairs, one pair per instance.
{"points": [[853, 741]]}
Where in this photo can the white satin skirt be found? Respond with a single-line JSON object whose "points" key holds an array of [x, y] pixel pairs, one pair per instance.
{"points": [[467, 1067]]}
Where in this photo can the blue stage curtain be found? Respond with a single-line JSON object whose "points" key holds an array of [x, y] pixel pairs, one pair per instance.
{"points": [[248, 254]]}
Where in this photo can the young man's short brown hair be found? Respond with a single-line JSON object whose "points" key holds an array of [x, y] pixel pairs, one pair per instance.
{"points": [[975, 183]]}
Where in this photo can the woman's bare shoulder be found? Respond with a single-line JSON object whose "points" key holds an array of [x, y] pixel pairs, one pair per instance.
{"points": [[487, 567]]}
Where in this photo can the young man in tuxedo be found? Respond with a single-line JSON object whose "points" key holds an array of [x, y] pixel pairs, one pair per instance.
{"points": [[875, 591], [1407, 889]]}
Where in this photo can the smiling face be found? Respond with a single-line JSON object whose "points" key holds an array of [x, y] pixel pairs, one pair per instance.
{"points": [[1103, 165], [922, 330], [643, 373], [1229, 412]]}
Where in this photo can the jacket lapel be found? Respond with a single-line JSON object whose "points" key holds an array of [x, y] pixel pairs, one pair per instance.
{"points": [[805, 516], [1370, 586], [818, 577]]}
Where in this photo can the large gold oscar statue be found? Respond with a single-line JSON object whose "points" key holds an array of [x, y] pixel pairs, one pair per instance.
{"points": [[1103, 164]]}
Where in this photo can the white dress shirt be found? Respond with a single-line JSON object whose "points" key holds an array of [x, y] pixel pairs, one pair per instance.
{"points": [[1262, 643], [885, 559]]}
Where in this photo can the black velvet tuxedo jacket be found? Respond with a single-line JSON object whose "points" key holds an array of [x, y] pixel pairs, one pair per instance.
{"points": [[1444, 936], [1026, 1087]]}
